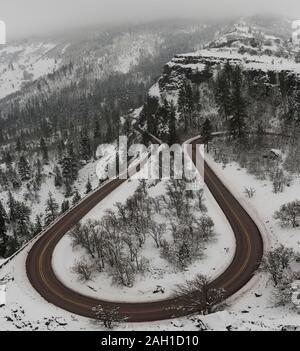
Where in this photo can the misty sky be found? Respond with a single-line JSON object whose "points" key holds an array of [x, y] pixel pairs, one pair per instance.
{"points": [[27, 17]]}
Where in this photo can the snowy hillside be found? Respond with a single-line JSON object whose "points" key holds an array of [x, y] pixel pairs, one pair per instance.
{"points": [[22, 63], [94, 54]]}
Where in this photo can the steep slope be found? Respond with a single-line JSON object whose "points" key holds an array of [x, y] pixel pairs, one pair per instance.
{"points": [[269, 79], [21, 63]]}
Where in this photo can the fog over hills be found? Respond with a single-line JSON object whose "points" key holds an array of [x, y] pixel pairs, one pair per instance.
{"points": [[35, 17]]}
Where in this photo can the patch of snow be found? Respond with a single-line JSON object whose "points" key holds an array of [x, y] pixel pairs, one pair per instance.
{"points": [[218, 256], [255, 303]]}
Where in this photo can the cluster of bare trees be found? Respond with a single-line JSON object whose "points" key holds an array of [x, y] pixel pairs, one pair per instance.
{"points": [[190, 227], [280, 179], [277, 263], [114, 244], [257, 156], [175, 223]]}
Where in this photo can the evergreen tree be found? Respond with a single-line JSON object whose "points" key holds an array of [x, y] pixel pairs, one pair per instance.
{"points": [[185, 104], [44, 150], [68, 188], [149, 112], [206, 73], [197, 107], [20, 220], [60, 150], [85, 146], [58, 180], [3, 230], [8, 159], [51, 211], [38, 225], [65, 206], [224, 91], [76, 198], [206, 132], [173, 136], [12, 246], [11, 203], [70, 165], [237, 124], [88, 186], [163, 113], [13, 177], [18, 145], [22, 231], [96, 135], [38, 174], [24, 169], [97, 131]]}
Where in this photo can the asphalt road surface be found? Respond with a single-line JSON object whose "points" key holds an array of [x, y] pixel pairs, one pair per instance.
{"points": [[248, 255]]}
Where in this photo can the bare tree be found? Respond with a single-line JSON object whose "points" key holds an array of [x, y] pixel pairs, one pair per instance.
{"points": [[200, 200], [157, 231], [279, 179], [123, 272], [284, 290], [82, 236], [83, 270], [276, 261], [175, 197], [205, 228], [249, 192], [198, 296], [109, 317], [289, 213]]}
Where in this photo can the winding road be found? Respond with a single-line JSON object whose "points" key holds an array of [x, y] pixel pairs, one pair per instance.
{"points": [[248, 255]]}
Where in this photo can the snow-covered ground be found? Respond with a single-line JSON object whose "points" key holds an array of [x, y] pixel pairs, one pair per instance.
{"points": [[265, 201], [140, 46], [262, 62], [86, 172], [218, 255], [253, 309], [24, 63], [20, 296]]}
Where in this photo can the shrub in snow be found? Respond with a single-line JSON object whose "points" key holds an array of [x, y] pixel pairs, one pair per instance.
{"points": [[123, 273], [284, 291], [197, 295], [289, 214], [279, 180], [250, 192], [277, 262], [83, 270], [109, 317]]}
